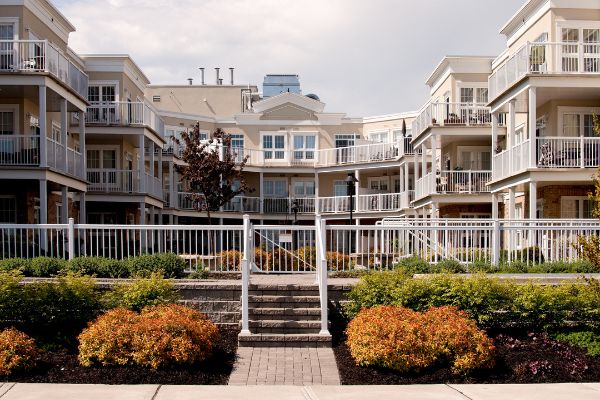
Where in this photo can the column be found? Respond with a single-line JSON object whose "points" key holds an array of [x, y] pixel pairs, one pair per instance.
{"points": [[434, 165], [172, 185], [143, 233], [83, 167], [43, 126], [261, 187], [64, 210], [142, 213], [532, 125], [82, 209], [43, 201], [63, 135], [426, 190], [510, 132], [494, 206], [494, 137], [532, 200], [406, 176], [317, 195], [151, 147], [511, 203], [142, 161], [415, 167]]}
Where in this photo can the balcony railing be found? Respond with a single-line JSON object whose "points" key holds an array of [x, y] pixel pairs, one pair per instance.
{"points": [[124, 113], [550, 152], [453, 182], [545, 58], [24, 150], [122, 181], [452, 114], [154, 186], [366, 203], [41, 56]]}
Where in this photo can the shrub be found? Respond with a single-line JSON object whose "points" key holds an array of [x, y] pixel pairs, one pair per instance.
{"points": [[586, 340], [261, 258], [99, 266], [11, 296], [142, 292], [338, 261], [158, 336], [405, 340], [15, 264], [449, 265], [229, 260], [169, 264], [588, 246], [18, 351], [45, 266], [413, 265], [374, 289], [529, 254]]}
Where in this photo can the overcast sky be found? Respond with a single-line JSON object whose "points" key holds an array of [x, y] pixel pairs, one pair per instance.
{"points": [[362, 57]]}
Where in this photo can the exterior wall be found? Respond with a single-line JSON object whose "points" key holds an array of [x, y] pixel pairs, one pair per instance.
{"points": [[551, 197], [455, 210]]}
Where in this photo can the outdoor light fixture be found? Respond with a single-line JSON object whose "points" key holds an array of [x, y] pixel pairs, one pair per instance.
{"points": [[351, 187], [295, 211]]}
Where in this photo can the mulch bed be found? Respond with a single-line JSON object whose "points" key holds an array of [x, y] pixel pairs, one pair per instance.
{"points": [[520, 358], [62, 367]]}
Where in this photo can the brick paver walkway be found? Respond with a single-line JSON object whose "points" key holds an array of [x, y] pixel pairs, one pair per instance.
{"points": [[285, 366]]}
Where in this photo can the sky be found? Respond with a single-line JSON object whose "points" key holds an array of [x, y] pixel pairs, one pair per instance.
{"points": [[361, 57]]}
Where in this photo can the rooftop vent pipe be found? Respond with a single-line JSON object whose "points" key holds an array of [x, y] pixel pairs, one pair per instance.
{"points": [[202, 75], [231, 72], [217, 70], [190, 80]]}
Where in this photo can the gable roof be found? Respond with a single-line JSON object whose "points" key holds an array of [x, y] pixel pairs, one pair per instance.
{"points": [[293, 98]]}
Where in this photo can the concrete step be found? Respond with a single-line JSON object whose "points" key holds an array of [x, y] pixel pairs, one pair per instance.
{"points": [[284, 326], [286, 288], [275, 292], [306, 314], [283, 301], [284, 340]]}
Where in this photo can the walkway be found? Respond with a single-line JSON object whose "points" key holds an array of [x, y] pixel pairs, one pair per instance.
{"points": [[559, 391], [285, 366]]}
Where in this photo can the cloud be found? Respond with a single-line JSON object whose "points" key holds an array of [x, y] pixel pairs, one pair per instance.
{"points": [[361, 57]]}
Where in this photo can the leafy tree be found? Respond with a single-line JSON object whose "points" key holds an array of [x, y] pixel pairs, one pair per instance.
{"points": [[211, 170]]}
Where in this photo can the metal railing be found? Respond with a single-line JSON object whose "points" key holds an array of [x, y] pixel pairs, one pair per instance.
{"points": [[113, 180], [66, 160], [20, 150], [41, 56], [451, 114], [545, 58], [124, 113], [364, 203], [453, 182]]}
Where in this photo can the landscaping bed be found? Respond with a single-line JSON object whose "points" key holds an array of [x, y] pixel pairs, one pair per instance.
{"points": [[62, 366]]}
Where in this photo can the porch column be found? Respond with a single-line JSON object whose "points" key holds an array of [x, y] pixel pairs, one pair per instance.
{"points": [[511, 203], [532, 122], [494, 136], [357, 192], [151, 149], [434, 165], [261, 187], [427, 190], [43, 127], [494, 206], [532, 200], [415, 167], [82, 209], [317, 193], [82, 144], [43, 201], [172, 185], [406, 176], [142, 213], [142, 166], [510, 132], [63, 135], [64, 210]]}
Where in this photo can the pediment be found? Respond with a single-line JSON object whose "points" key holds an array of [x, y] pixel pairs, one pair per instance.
{"points": [[288, 99], [289, 111]]}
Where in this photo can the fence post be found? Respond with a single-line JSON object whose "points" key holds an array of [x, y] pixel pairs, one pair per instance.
{"points": [[322, 271], [71, 238], [496, 242], [245, 266]]}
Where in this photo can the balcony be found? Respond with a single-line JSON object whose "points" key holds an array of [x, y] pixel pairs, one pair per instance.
{"points": [[121, 113], [39, 56], [343, 156], [122, 182], [453, 182], [24, 151], [367, 203], [544, 59], [451, 114], [550, 152]]}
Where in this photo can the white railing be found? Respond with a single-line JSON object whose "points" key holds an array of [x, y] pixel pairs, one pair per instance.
{"points": [[42, 56], [365, 203], [453, 182], [245, 204], [124, 113], [451, 114], [511, 161], [20, 150], [568, 152], [545, 58], [406, 199], [113, 180], [154, 186], [281, 248], [69, 160]]}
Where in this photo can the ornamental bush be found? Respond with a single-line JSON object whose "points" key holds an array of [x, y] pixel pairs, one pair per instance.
{"points": [[413, 265], [45, 266], [100, 267], [405, 340], [169, 264], [15, 264], [142, 292], [157, 337], [18, 351], [229, 260]]}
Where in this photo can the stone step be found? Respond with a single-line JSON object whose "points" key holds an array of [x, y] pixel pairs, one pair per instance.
{"points": [[287, 288], [275, 323], [284, 301], [306, 314], [267, 292], [284, 340]]}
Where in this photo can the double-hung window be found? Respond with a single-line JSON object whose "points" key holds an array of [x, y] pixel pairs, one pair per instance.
{"points": [[304, 147], [275, 188], [273, 146], [304, 188]]}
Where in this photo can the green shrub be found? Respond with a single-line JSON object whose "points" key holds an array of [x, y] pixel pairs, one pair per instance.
{"points": [[142, 292], [15, 264], [377, 288], [529, 254], [449, 265], [169, 264], [413, 265], [482, 266], [11, 296], [100, 267], [45, 266], [585, 340]]}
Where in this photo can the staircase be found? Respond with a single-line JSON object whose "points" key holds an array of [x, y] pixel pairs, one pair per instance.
{"points": [[284, 316]]}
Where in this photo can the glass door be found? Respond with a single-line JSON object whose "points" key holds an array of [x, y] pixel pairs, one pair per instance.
{"points": [[7, 32]]}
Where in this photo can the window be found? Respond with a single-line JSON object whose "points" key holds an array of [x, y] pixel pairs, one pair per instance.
{"points": [[578, 123], [273, 147], [379, 184], [340, 188], [56, 134], [304, 188], [474, 95], [576, 207], [8, 209], [380, 137], [7, 122], [304, 147], [102, 93], [275, 188], [345, 140], [8, 31], [474, 158], [577, 40]]}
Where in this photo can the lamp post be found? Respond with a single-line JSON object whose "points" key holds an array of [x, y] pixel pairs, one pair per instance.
{"points": [[351, 187], [295, 211]]}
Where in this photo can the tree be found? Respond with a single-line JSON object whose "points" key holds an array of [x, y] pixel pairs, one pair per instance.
{"points": [[211, 171]]}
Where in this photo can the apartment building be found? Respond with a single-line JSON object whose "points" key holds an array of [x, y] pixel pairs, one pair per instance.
{"points": [[42, 89], [452, 135], [547, 81]]}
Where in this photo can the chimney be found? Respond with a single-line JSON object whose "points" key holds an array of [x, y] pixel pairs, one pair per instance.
{"points": [[202, 74], [231, 72], [190, 80], [217, 70]]}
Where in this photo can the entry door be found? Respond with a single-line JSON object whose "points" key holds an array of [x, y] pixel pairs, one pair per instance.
{"points": [[7, 32], [102, 169]]}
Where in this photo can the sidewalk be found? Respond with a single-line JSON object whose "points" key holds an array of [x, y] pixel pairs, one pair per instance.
{"points": [[558, 391]]}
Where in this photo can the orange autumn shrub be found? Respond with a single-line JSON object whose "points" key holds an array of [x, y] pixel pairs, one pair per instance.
{"points": [[337, 261], [229, 260], [261, 259], [18, 351], [156, 337], [405, 340]]}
